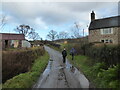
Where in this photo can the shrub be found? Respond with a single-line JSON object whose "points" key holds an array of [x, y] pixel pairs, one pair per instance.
{"points": [[108, 54], [93, 71], [28, 79], [16, 62], [110, 77], [54, 44]]}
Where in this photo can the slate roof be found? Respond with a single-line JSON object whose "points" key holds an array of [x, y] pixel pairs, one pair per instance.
{"points": [[105, 23], [11, 36]]}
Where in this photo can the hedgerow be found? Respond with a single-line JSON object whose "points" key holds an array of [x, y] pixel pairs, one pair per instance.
{"points": [[18, 61]]}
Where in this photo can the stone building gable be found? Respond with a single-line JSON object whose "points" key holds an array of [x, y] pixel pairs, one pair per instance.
{"points": [[96, 36], [106, 30]]}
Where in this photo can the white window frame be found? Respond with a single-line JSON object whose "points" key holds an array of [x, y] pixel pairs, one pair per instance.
{"points": [[105, 31], [106, 40]]}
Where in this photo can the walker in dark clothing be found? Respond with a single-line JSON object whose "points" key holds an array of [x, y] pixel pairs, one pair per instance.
{"points": [[64, 54], [72, 52], [72, 56]]}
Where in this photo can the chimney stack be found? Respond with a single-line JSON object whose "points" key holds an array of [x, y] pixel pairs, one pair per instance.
{"points": [[92, 16]]}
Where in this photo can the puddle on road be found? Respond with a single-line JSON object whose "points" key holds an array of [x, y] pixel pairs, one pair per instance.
{"points": [[49, 66], [78, 75], [73, 70], [68, 65], [61, 74], [45, 74]]}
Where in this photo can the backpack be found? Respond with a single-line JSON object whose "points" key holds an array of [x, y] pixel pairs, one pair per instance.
{"points": [[64, 53]]}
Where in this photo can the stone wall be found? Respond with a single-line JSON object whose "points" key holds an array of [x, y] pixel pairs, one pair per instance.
{"points": [[96, 36]]}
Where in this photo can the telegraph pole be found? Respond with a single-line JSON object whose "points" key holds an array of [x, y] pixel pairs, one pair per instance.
{"points": [[83, 33]]}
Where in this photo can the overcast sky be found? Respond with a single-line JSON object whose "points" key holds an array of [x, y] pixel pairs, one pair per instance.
{"points": [[59, 16]]}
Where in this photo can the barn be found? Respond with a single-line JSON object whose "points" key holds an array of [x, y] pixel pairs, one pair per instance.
{"points": [[9, 40]]}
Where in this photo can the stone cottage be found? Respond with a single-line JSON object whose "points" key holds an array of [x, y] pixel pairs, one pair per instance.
{"points": [[105, 30], [9, 40]]}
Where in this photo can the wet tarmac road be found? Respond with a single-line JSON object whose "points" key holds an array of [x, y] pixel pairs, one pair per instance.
{"points": [[59, 75]]}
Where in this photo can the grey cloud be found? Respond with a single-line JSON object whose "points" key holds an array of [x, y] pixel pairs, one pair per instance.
{"points": [[51, 13]]}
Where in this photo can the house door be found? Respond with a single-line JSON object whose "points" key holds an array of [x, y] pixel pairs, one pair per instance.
{"points": [[6, 43]]}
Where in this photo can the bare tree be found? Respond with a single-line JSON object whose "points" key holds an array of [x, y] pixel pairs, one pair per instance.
{"points": [[52, 35], [34, 36], [2, 21], [63, 35], [24, 29], [72, 36], [76, 30]]}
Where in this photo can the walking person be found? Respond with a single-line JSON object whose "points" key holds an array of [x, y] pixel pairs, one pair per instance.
{"points": [[64, 54], [72, 53]]}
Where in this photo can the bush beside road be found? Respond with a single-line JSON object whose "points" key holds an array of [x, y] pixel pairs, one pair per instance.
{"points": [[26, 80], [19, 61]]}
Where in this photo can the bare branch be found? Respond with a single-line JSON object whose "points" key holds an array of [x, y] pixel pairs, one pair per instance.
{"points": [[2, 21], [24, 29], [52, 35], [34, 36], [63, 35], [76, 30]]}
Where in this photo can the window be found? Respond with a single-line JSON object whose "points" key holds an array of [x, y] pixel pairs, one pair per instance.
{"points": [[106, 41], [102, 41], [107, 31], [111, 41]]}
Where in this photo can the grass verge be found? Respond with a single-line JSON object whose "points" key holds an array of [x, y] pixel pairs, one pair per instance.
{"points": [[26, 80], [83, 64], [98, 76]]}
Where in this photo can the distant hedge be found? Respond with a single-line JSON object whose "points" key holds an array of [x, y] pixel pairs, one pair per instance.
{"points": [[108, 54], [54, 44], [18, 61]]}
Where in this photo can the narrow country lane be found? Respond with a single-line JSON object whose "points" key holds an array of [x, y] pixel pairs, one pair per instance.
{"points": [[59, 75]]}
